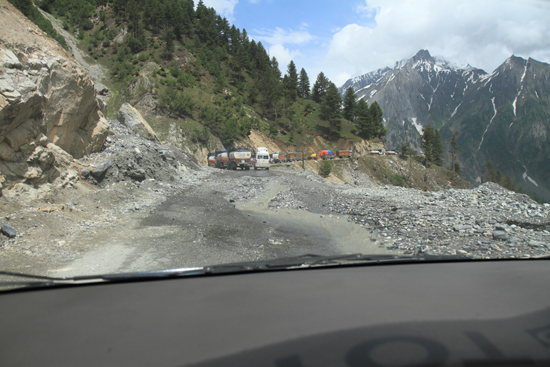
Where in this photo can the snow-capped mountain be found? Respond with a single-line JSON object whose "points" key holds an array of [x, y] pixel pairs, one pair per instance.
{"points": [[503, 116]]}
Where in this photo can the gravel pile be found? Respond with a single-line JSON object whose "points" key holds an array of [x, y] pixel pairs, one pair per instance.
{"points": [[486, 222], [128, 157]]}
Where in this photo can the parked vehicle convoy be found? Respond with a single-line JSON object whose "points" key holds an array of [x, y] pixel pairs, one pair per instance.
{"points": [[221, 158], [239, 157], [211, 159], [344, 154], [261, 160]]}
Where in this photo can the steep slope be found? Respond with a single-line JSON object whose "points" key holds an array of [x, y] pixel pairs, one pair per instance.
{"points": [[502, 117], [507, 122]]}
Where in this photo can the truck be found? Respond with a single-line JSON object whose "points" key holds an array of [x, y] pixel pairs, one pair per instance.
{"points": [[221, 158], [211, 159], [275, 157], [326, 154], [240, 157], [344, 153], [261, 160], [282, 157]]}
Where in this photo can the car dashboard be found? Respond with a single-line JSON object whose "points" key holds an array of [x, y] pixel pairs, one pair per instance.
{"points": [[460, 313]]}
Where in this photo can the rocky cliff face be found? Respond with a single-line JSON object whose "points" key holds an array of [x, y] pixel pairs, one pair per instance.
{"points": [[49, 112]]}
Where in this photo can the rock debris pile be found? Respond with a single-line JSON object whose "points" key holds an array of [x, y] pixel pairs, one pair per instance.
{"points": [[129, 157], [486, 222]]}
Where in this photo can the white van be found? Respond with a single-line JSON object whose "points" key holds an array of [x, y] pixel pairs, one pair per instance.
{"points": [[262, 159]]}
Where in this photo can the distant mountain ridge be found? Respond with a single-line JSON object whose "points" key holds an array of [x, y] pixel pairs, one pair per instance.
{"points": [[503, 116]]}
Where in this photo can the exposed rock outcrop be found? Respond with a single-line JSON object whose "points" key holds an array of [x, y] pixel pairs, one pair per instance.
{"points": [[131, 117], [48, 105]]}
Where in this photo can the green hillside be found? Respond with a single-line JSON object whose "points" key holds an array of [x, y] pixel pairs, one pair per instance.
{"points": [[203, 74]]}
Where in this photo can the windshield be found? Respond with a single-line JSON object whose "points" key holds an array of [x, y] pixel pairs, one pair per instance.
{"points": [[128, 136]]}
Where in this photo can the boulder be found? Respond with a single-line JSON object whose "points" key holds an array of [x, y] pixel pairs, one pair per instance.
{"points": [[137, 174], [500, 235], [131, 117], [99, 172], [8, 230]]}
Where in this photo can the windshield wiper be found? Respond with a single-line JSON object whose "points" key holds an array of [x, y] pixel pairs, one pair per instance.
{"points": [[312, 260], [45, 281], [290, 263]]}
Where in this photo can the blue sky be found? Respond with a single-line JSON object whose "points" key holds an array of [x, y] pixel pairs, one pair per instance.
{"points": [[346, 38]]}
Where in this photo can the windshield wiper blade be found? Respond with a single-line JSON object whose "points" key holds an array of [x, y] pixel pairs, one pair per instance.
{"points": [[44, 281], [312, 260]]}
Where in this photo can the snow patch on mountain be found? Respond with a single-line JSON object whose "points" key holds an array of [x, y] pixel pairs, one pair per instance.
{"points": [[519, 92], [492, 118], [527, 178], [456, 109], [418, 127]]}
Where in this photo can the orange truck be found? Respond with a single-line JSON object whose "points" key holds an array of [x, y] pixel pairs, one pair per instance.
{"points": [[344, 154]]}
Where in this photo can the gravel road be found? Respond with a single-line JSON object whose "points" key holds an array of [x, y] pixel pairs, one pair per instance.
{"points": [[150, 206], [223, 216]]}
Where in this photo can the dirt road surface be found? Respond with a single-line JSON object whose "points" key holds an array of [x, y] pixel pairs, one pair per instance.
{"points": [[218, 217]]}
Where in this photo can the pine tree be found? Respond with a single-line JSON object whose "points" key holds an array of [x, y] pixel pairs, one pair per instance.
{"points": [[438, 148], [319, 88], [349, 104], [364, 120], [454, 151], [303, 85], [169, 48], [490, 173], [377, 121], [426, 144], [331, 109], [291, 82], [432, 145]]}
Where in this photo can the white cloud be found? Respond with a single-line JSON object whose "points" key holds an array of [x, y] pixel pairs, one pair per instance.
{"points": [[224, 8], [283, 55], [481, 33], [280, 36]]}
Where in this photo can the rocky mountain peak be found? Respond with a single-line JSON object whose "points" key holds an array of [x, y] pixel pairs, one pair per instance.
{"points": [[422, 55]]}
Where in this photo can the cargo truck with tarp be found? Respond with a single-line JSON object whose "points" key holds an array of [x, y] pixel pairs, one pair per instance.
{"points": [[344, 154]]}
